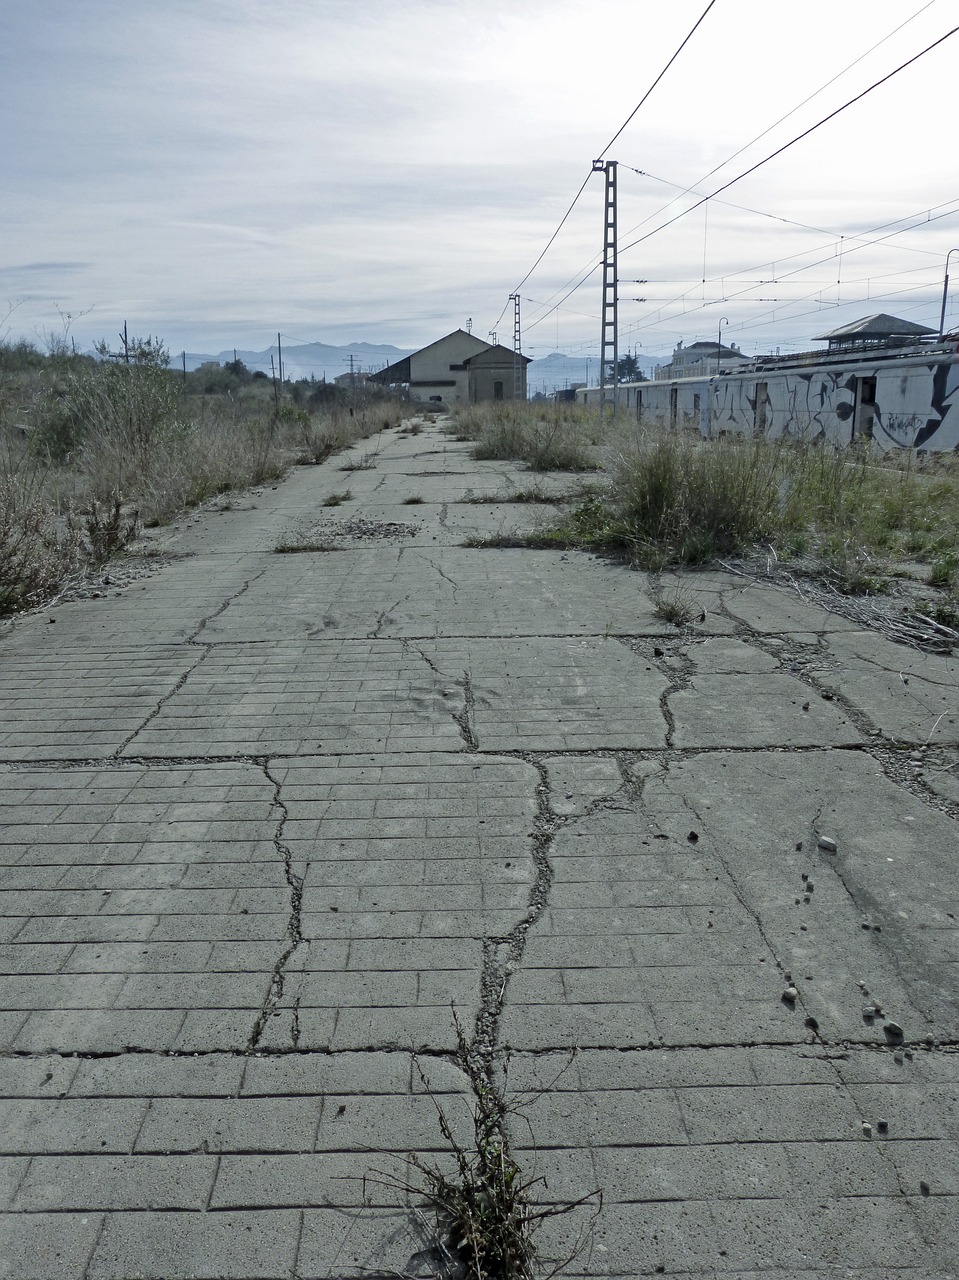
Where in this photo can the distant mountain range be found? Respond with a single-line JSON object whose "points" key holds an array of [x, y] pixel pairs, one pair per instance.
{"points": [[322, 361], [312, 359]]}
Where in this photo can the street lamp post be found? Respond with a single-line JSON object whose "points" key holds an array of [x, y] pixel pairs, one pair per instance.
{"points": [[945, 292], [719, 341]]}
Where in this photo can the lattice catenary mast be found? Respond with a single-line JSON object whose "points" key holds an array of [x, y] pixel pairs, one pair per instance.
{"points": [[609, 335], [517, 349]]}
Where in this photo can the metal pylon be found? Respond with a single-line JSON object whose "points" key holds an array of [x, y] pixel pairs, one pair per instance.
{"points": [[609, 336], [517, 350]]}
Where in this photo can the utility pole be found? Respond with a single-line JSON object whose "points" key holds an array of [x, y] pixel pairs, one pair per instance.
{"points": [[184, 365], [517, 348], [279, 358], [609, 334], [126, 344], [945, 295], [276, 398]]}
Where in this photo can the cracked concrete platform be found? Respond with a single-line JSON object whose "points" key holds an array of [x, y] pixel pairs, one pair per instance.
{"points": [[270, 820]]}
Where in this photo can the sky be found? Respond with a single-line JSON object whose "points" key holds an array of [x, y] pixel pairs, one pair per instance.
{"points": [[215, 172]]}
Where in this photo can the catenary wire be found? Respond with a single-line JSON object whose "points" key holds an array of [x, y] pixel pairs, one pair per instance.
{"points": [[782, 276], [792, 142], [657, 80], [729, 159], [852, 249], [776, 123], [572, 206]]}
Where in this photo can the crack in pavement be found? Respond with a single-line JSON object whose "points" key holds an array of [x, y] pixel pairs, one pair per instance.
{"points": [[445, 576], [825, 1050], [294, 928], [382, 618], [201, 657], [667, 653], [888, 757], [68, 764], [502, 955], [465, 718], [191, 640], [754, 915]]}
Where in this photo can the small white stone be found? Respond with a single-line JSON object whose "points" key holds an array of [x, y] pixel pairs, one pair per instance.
{"points": [[827, 844]]}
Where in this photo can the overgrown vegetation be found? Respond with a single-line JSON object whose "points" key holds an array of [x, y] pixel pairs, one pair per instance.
{"points": [[36, 550], [547, 436], [92, 449], [675, 499], [851, 515]]}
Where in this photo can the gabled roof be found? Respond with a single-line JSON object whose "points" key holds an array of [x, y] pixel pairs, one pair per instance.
{"points": [[400, 372], [393, 373], [875, 329], [457, 333], [497, 355]]}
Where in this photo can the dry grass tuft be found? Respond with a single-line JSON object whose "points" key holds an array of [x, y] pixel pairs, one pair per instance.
{"points": [[547, 437], [486, 1215]]}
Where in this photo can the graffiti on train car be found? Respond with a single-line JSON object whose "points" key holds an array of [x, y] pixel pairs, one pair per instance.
{"points": [[899, 399]]}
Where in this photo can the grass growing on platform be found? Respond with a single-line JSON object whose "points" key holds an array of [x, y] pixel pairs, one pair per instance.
{"points": [[90, 447], [672, 498], [546, 436]]}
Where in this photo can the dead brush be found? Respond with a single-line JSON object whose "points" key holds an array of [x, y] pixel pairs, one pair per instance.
{"points": [[486, 1217], [105, 528], [36, 552]]}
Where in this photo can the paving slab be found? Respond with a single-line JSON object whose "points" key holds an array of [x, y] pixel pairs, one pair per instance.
{"points": [[278, 830]]}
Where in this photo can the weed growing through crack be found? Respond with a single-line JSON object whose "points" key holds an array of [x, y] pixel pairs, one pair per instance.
{"points": [[485, 1212], [676, 607], [366, 461], [336, 499], [413, 502], [534, 494], [301, 548], [546, 541]]}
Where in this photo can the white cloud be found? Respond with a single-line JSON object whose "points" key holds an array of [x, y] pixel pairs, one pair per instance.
{"points": [[386, 170]]}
